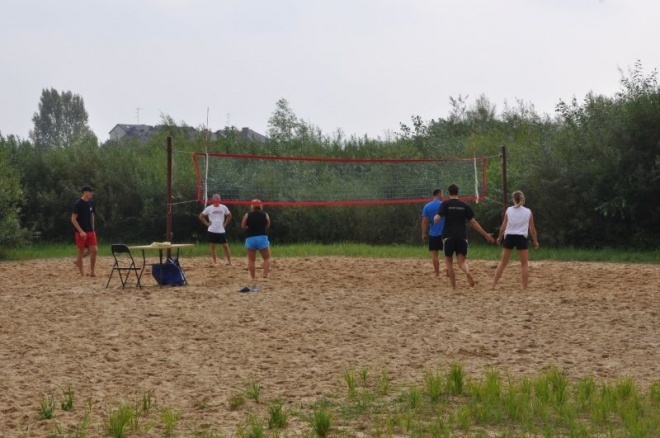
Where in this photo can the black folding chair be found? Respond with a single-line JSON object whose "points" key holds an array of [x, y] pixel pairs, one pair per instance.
{"points": [[124, 265]]}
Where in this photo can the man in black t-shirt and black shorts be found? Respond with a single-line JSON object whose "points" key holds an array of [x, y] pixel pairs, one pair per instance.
{"points": [[457, 215]]}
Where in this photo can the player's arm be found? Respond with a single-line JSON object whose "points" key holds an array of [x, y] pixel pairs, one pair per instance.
{"points": [[227, 219], [425, 227], [505, 221], [74, 221], [438, 216], [202, 217], [532, 231], [475, 225], [267, 221], [244, 222]]}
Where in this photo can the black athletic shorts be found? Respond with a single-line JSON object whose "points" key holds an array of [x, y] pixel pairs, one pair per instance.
{"points": [[516, 241], [216, 237], [435, 243], [455, 246]]}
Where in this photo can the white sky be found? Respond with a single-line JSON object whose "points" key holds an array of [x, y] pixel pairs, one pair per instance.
{"points": [[362, 66]]}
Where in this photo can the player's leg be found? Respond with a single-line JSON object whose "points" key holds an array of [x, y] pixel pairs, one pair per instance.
{"points": [[213, 253], [436, 263], [225, 248], [79, 260], [435, 246], [461, 259], [81, 247], [252, 256], [93, 251], [506, 253], [524, 257], [448, 251], [449, 265], [265, 255]]}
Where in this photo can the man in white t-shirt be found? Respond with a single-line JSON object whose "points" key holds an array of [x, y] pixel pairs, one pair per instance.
{"points": [[216, 217]]}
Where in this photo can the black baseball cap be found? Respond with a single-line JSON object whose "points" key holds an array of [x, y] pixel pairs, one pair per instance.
{"points": [[87, 189]]}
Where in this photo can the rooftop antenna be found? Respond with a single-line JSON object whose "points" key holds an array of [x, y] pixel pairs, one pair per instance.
{"points": [[228, 120]]}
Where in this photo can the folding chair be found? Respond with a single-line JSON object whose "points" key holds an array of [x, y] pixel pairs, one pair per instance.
{"points": [[124, 264]]}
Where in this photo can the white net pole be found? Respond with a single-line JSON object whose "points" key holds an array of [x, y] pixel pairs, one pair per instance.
{"points": [[206, 170]]}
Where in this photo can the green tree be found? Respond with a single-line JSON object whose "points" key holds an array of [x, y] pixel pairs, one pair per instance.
{"points": [[11, 232], [283, 124], [635, 197], [60, 121]]}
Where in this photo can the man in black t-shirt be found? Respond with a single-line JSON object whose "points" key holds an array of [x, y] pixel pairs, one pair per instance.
{"points": [[457, 215], [82, 218]]}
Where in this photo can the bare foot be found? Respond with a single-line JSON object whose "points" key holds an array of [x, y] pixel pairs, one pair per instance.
{"points": [[470, 280], [92, 274]]}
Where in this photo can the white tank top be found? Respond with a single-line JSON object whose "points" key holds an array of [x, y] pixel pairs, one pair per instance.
{"points": [[517, 220]]}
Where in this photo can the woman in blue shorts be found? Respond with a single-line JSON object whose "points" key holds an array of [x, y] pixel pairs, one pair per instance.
{"points": [[256, 223], [518, 222]]}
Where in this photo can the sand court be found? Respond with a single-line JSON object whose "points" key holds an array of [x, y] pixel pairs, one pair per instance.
{"points": [[195, 346]]}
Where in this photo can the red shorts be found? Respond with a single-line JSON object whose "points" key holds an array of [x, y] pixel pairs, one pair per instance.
{"points": [[88, 240]]}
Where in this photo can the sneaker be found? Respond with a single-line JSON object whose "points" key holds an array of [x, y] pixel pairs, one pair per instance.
{"points": [[244, 289], [255, 288]]}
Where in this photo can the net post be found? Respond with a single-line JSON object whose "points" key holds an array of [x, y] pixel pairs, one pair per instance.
{"points": [[168, 230], [504, 188]]}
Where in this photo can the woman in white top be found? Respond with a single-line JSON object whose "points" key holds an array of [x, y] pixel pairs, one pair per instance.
{"points": [[518, 222]]}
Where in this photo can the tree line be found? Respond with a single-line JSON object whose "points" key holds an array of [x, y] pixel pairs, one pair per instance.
{"points": [[590, 172]]}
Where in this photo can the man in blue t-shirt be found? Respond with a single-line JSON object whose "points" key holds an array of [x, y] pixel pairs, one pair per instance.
{"points": [[431, 231]]}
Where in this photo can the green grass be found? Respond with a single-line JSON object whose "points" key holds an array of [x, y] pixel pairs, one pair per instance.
{"points": [[66, 401], [278, 417], [477, 251], [47, 407], [253, 390], [547, 404]]}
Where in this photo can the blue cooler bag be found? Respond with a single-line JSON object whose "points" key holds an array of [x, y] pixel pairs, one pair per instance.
{"points": [[168, 273]]}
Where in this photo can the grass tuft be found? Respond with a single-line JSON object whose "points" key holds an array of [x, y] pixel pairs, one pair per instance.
{"points": [[349, 378], [277, 415], [47, 407], [66, 402], [321, 422], [456, 379], [434, 386], [253, 391], [119, 419], [170, 419]]}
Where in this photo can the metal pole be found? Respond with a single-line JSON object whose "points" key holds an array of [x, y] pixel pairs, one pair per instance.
{"points": [[168, 232], [505, 197]]}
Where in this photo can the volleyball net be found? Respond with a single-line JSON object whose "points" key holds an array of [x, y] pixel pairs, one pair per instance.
{"points": [[322, 181]]}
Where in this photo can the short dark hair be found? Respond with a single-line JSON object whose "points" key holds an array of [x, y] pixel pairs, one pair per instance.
{"points": [[453, 190], [436, 191]]}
